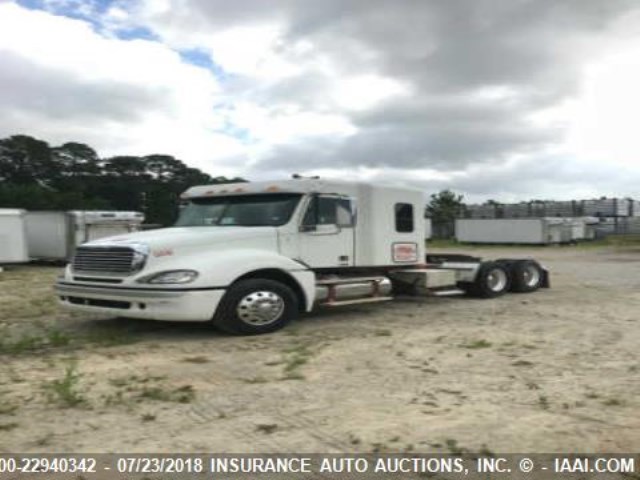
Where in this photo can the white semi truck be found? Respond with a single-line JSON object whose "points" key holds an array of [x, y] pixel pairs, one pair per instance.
{"points": [[250, 257]]}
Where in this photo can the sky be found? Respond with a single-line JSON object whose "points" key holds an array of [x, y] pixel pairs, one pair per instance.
{"points": [[495, 99]]}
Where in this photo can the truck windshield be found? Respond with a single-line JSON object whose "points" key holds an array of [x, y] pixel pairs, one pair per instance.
{"points": [[272, 209]]}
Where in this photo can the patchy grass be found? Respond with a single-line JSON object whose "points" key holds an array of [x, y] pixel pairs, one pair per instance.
{"points": [[65, 391], [267, 428], [620, 241], [107, 338], [199, 359], [293, 376], [522, 363], [7, 427], [477, 344], [55, 339], [30, 317], [114, 399], [7, 408], [296, 361], [383, 332], [44, 440], [543, 402], [131, 382], [453, 447], [294, 358], [183, 394], [254, 380], [37, 301], [134, 389], [379, 447], [26, 343]]}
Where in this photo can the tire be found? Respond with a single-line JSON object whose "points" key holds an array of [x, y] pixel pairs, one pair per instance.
{"points": [[507, 262], [493, 279], [256, 306], [526, 276]]}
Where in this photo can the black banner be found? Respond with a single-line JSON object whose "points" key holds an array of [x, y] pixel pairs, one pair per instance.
{"points": [[325, 466]]}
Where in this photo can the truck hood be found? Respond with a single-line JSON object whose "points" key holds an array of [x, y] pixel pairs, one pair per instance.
{"points": [[170, 241]]}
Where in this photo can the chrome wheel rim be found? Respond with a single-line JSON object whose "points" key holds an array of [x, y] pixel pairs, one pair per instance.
{"points": [[531, 276], [497, 280], [260, 308]]}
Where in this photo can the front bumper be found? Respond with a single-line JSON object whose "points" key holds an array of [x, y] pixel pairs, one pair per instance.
{"points": [[154, 304]]}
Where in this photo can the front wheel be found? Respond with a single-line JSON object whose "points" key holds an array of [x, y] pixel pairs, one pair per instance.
{"points": [[255, 306]]}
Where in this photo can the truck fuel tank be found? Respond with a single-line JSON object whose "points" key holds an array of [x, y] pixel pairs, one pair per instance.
{"points": [[354, 288]]}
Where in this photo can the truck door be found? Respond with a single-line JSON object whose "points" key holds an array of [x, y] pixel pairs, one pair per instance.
{"points": [[327, 232]]}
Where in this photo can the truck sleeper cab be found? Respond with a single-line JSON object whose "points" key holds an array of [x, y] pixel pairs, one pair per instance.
{"points": [[249, 257]]}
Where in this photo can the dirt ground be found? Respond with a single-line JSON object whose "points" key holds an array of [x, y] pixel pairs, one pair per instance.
{"points": [[553, 371]]}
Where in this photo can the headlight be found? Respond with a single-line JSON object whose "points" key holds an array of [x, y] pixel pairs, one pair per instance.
{"points": [[171, 276]]}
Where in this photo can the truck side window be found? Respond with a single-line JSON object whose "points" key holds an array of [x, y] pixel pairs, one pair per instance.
{"points": [[404, 217], [329, 211], [344, 212]]}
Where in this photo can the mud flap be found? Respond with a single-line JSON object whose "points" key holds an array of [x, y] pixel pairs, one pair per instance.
{"points": [[545, 283]]}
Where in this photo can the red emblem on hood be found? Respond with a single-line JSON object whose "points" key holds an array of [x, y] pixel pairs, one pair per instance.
{"points": [[163, 252]]}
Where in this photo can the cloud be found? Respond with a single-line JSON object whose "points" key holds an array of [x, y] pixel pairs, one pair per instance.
{"points": [[482, 95], [62, 81], [434, 84]]}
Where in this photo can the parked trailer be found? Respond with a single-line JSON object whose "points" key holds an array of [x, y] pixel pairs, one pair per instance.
{"points": [[13, 239], [582, 228], [93, 225], [250, 257], [428, 228], [528, 231], [54, 235]]}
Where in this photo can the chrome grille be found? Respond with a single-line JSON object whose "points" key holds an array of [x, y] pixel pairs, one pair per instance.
{"points": [[104, 259]]}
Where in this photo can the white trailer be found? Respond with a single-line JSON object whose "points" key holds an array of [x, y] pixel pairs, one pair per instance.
{"points": [[428, 230], [54, 235], [13, 241], [93, 225], [582, 228], [249, 257], [527, 231]]}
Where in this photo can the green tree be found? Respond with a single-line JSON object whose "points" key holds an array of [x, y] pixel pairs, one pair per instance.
{"points": [[26, 160], [445, 206], [76, 159], [72, 176]]}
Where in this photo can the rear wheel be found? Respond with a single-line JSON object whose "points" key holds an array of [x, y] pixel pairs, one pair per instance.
{"points": [[493, 279], [527, 276], [255, 306]]}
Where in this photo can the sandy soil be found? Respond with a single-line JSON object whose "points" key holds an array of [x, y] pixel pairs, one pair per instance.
{"points": [[557, 370]]}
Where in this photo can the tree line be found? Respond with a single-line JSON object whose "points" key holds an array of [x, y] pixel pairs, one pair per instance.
{"points": [[37, 176]]}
